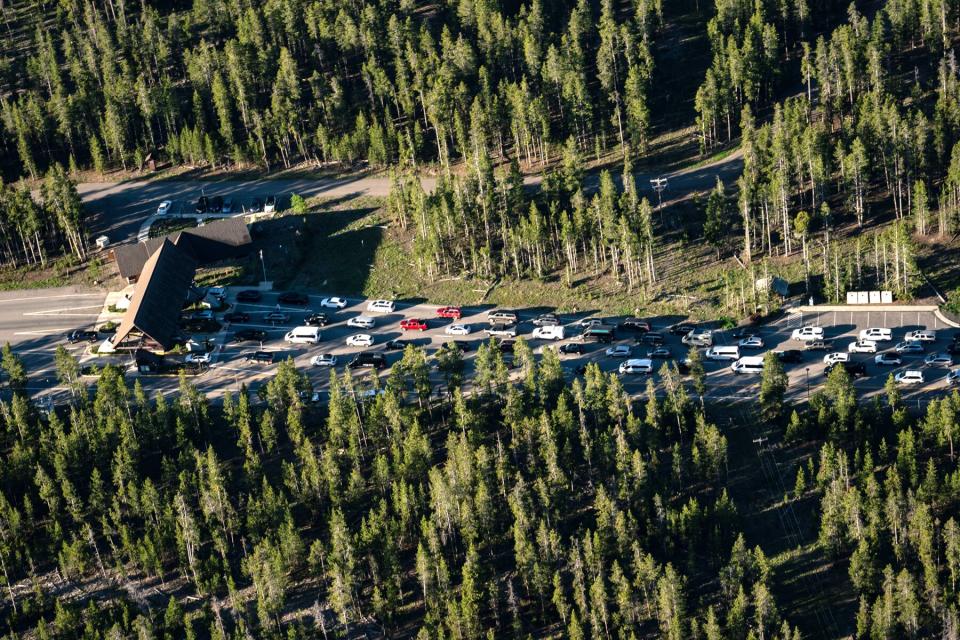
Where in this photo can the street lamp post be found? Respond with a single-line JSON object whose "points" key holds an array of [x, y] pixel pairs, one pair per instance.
{"points": [[263, 265]]}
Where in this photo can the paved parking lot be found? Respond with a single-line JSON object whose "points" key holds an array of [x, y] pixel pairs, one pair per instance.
{"points": [[31, 335]]}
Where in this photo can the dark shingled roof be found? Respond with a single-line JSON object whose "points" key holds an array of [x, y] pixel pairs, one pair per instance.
{"points": [[216, 240], [159, 295]]}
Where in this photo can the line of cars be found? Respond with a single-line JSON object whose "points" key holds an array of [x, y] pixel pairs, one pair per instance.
{"points": [[219, 204]]}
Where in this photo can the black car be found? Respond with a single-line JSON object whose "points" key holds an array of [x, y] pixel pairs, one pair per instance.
{"points": [[855, 369], [571, 348], [681, 329], [202, 204], [635, 324], [294, 297], [656, 339], [81, 335], [256, 205], [792, 356], [462, 345], [250, 295], [236, 316], [683, 366], [740, 333], [546, 320], [216, 204], [243, 335], [396, 345], [505, 347], [317, 320], [366, 359], [261, 357]]}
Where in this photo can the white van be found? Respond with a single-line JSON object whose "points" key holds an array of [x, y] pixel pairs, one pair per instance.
{"points": [[555, 332], [876, 334], [748, 364], [723, 353], [636, 366], [303, 335], [381, 306]]}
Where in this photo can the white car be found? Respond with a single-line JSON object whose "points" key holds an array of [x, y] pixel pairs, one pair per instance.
{"points": [[938, 360], [333, 303], [836, 356], [457, 330], [361, 322], [921, 335], [876, 334], [619, 351], [913, 346], [636, 366], [911, 376], [360, 340], [197, 358], [807, 334], [862, 346], [164, 208], [953, 378], [381, 306], [324, 360], [753, 342]]}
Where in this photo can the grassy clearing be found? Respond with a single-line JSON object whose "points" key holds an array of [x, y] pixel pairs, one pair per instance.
{"points": [[60, 273]]}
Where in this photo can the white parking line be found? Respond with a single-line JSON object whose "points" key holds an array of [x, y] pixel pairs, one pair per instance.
{"points": [[60, 312]]}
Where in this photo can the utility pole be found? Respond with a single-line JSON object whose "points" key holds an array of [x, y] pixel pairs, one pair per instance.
{"points": [[659, 184]]}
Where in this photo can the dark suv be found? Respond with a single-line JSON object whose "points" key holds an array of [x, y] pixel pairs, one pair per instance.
{"points": [[261, 357], [202, 204], [635, 324], [250, 295], [294, 297], [81, 335], [855, 369], [366, 359], [316, 319], [243, 335]]}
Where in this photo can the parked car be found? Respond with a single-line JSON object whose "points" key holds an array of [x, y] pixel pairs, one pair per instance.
{"points": [[457, 330], [413, 324], [333, 303], [807, 334], [698, 338], [261, 357], [270, 205], [243, 335], [502, 316], [835, 357], [164, 208], [236, 316], [316, 320], [546, 320], [203, 314], [396, 345], [367, 359], [228, 205], [953, 378], [651, 337], [862, 346], [256, 206], [197, 358], [921, 335], [911, 376], [277, 317], [753, 342], [216, 204], [454, 313], [792, 356], [361, 322], [661, 353], [249, 295], [635, 324], [818, 345], [293, 297], [938, 360], [888, 359], [463, 345], [202, 205], [913, 346], [571, 348], [82, 335], [360, 340], [618, 351], [681, 329], [324, 360], [876, 334], [549, 332], [631, 367], [381, 306], [502, 330], [854, 369]]}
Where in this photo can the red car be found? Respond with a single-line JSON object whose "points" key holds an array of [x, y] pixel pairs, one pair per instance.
{"points": [[450, 312], [413, 324]]}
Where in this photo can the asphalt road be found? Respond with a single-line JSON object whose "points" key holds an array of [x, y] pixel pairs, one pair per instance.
{"points": [[35, 324], [119, 208]]}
